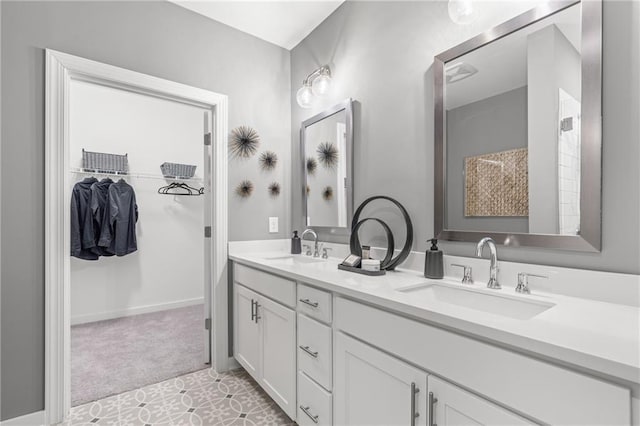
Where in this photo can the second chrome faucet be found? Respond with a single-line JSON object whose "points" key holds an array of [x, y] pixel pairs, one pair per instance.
{"points": [[493, 268]]}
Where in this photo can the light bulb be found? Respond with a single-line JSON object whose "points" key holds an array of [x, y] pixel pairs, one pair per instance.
{"points": [[304, 96], [321, 85], [461, 11]]}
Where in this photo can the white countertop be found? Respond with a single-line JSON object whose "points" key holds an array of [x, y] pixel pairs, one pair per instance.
{"points": [[598, 337]]}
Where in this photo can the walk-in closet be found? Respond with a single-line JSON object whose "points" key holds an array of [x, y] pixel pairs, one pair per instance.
{"points": [[139, 178]]}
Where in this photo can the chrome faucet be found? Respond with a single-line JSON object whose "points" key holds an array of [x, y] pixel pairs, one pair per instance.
{"points": [[493, 269], [316, 252]]}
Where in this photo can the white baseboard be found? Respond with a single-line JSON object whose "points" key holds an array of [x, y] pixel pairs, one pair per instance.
{"points": [[83, 319], [33, 419]]}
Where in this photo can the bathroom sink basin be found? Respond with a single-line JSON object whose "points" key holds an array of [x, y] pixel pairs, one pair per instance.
{"points": [[294, 259], [480, 300]]}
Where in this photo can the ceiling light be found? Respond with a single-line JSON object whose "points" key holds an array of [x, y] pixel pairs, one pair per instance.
{"points": [[315, 85], [461, 11]]}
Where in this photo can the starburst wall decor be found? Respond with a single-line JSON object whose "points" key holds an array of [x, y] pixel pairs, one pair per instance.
{"points": [[268, 160], [243, 142], [244, 188], [327, 154]]}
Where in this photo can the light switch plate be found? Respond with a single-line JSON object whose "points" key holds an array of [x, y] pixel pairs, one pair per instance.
{"points": [[273, 225]]}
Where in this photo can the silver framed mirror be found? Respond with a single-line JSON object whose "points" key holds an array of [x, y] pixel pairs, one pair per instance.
{"points": [[518, 134], [326, 150]]}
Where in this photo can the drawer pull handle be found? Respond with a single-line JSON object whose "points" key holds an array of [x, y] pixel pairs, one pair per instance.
{"points": [[309, 302], [308, 413], [432, 407], [414, 413], [253, 310], [309, 351]]}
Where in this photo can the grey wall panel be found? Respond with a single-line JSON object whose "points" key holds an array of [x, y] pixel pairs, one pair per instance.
{"points": [[381, 55], [156, 38]]}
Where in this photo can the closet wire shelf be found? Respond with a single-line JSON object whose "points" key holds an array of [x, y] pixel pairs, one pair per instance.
{"points": [[80, 170]]}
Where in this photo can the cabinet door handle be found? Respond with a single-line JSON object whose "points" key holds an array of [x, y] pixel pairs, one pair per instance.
{"points": [[309, 302], [257, 316], [309, 351], [253, 310], [432, 407], [414, 413], [308, 413]]}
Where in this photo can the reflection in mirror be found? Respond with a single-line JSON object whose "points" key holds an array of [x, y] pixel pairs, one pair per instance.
{"points": [[326, 151], [513, 138], [511, 119]]}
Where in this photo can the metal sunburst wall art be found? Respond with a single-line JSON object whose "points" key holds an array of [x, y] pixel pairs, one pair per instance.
{"points": [[274, 189], [327, 193], [243, 142], [328, 155], [244, 189], [268, 160], [312, 165]]}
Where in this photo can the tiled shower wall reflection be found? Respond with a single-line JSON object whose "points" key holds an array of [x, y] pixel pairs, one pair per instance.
{"points": [[568, 164]]}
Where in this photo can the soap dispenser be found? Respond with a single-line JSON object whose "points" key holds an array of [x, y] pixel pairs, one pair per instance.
{"points": [[433, 261], [296, 246]]}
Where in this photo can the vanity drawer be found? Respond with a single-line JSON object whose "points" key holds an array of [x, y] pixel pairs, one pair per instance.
{"points": [[277, 288], [314, 350], [314, 403], [315, 303]]}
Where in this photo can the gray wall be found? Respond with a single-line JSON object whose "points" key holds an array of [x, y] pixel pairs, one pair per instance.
{"points": [[495, 124], [381, 54], [157, 38], [552, 63]]}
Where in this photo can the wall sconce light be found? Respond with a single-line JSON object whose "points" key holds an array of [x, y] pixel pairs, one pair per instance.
{"points": [[315, 85], [461, 11]]}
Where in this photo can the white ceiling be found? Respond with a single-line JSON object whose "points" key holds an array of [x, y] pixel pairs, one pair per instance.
{"points": [[284, 23]]}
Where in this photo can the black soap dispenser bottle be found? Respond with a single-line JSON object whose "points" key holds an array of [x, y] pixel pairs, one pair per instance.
{"points": [[433, 261], [296, 246]]}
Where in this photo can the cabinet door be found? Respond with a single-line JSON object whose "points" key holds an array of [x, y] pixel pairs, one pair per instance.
{"points": [[278, 335], [373, 388], [453, 406], [246, 329]]}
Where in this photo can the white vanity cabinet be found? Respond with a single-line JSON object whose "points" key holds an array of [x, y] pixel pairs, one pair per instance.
{"points": [[315, 356], [452, 406], [265, 335], [374, 388]]}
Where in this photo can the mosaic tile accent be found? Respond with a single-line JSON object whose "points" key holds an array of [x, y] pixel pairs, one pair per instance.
{"points": [[497, 184], [203, 398]]}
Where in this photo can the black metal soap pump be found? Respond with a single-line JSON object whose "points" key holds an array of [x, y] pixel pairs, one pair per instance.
{"points": [[433, 261]]}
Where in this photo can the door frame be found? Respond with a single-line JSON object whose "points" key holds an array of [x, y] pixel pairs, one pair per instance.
{"points": [[61, 69]]}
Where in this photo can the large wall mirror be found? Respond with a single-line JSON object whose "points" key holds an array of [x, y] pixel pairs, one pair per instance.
{"points": [[327, 169], [518, 131]]}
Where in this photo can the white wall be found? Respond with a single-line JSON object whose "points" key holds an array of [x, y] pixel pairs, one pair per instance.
{"points": [[168, 268]]}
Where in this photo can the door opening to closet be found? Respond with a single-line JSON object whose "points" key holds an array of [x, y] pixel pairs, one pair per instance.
{"points": [[140, 298]]}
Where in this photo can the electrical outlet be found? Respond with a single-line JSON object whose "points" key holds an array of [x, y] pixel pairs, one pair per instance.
{"points": [[273, 225]]}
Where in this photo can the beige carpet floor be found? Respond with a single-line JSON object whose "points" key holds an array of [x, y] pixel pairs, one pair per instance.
{"points": [[114, 356]]}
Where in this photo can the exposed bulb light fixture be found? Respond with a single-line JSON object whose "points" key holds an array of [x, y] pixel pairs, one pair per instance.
{"points": [[316, 84], [305, 96], [461, 11]]}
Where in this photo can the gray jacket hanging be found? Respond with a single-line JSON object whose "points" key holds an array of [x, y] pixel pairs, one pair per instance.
{"points": [[96, 216], [118, 233], [80, 198]]}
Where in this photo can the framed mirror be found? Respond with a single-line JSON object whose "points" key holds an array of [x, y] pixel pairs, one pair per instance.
{"points": [[327, 168], [518, 131]]}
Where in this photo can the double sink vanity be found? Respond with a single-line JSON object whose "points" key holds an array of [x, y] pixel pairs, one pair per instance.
{"points": [[333, 347], [517, 149]]}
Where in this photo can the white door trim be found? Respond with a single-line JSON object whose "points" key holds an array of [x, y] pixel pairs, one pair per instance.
{"points": [[61, 69]]}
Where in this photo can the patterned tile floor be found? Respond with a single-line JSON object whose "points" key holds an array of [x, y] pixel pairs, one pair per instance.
{"points": [[203, 398]]}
